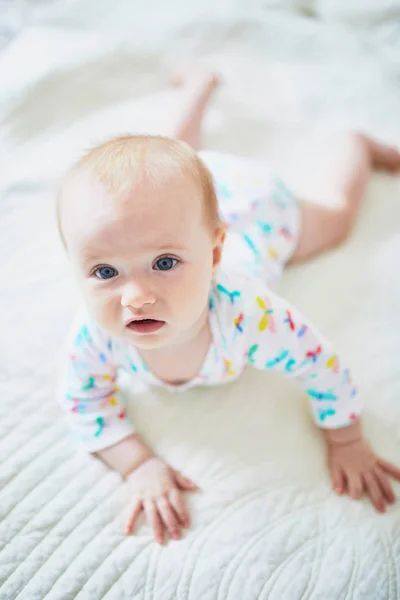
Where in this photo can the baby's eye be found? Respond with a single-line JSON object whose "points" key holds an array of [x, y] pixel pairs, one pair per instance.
{"points": [[166, 263], [105, 272]]}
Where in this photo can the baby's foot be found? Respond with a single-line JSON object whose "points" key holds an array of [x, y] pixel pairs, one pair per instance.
{"points": [[382, 156], [186, 75], [198, 86]]}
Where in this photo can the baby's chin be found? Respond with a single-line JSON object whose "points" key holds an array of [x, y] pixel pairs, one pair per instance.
{"points": [[147, 342], [151, 341]]}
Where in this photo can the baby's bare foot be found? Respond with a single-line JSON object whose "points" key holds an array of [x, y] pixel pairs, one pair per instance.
{"points": [[186, 75], [382, 156], [198, 86]]}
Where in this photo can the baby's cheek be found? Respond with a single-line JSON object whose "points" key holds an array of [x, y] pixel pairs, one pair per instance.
{"points": [[106, 310], [194, 295]]}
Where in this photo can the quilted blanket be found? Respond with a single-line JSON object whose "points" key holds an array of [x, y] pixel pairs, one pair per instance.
{"points": [[265, 521]]}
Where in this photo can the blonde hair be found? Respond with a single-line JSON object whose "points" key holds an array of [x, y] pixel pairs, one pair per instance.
{"points": [[123, 163]]}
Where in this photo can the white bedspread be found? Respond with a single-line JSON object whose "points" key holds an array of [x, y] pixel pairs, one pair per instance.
{"points": [[265, 522]]}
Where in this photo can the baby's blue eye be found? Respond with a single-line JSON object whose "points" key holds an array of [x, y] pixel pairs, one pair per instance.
{"points": [[166, 263], [105, 272]]}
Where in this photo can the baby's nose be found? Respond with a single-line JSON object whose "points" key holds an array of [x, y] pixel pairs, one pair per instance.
{"points": [[136, 295]]}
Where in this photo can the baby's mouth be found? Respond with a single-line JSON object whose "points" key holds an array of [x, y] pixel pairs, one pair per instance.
{"points": [[144, 326]]}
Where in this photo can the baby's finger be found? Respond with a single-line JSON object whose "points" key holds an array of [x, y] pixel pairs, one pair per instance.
{"points": [[355, 485], [154, 520], [338, 482], [137, 509], [184, 482], [169, 517], [389, 468], [385, 485], [374, 491], [178, 504]]}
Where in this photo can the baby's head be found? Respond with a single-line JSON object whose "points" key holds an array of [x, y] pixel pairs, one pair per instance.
{"points": [[139, 218]]}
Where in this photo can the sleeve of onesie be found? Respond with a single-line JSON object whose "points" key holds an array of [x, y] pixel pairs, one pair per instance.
{"points": [[88, 392], [281, 338]]}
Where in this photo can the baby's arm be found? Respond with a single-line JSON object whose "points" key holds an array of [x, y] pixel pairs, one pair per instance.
{"points": [[99, 420], [127, 455], [281, 338], [89, 394]]}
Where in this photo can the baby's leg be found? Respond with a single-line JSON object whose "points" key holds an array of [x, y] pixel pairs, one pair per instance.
{"points": [[324, 228], [198, 87]]}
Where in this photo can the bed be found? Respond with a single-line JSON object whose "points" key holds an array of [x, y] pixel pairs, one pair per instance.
{"points": [[265, 521]]}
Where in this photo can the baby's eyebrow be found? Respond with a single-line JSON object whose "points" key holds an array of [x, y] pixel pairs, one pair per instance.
{"points": [[171, 246], [91, 256]]}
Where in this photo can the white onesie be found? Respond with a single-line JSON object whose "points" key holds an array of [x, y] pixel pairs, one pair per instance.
{"points": [[250, 324]]}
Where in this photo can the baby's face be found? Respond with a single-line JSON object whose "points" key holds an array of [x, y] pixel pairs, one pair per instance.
{"points": [[151, 257]]}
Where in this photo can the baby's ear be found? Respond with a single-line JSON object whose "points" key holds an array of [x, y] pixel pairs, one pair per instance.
{"points": [[219, 239]]}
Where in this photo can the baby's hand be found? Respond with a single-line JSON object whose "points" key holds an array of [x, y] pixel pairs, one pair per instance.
{"points": [[355, 468], [157, 491]]}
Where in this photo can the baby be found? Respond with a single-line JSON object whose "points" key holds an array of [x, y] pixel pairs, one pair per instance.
{"points": [[177, 254]]}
